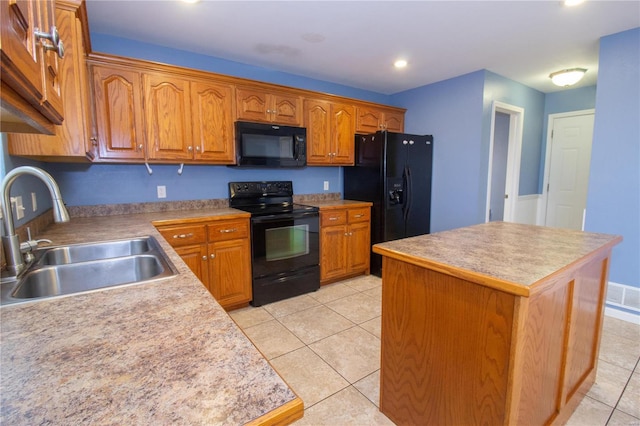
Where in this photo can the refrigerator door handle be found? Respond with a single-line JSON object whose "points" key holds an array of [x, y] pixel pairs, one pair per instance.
{"points": [[407, 193]]}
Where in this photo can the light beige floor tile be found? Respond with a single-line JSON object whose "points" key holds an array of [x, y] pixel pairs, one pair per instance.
{"points": [[308, 375], [364, 283], [273, 339], [376, 293], [618, 327], [610, 382], [618, 418], [590, 413], [630, 401], [290, 306], [370, 387], [373, 326], [619, 351], [354, 353], [330, 292], [315, 323], [250, 316], [358, 307], [347, 407]]}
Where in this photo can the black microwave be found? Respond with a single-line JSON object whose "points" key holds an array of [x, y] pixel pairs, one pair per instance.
{"points": [[270, 145]]}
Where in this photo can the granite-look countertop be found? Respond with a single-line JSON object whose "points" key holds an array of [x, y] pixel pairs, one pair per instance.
{"points": [[338, 204], [508, 256], [156, 353]]}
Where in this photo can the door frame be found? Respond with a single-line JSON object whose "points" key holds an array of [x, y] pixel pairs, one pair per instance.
{"points": [[547, 156], [514, 153]]}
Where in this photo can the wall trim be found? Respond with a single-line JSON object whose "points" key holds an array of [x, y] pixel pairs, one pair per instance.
{"points": [[621, 315], [623, 302]]}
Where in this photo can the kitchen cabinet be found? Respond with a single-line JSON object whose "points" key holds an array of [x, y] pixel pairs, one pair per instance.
{"points": [[497, 323], [71, 142], [118, 122], [370, 120], [31, 95], [219, 254], [345, 237], [330, 132], [270, 106]]}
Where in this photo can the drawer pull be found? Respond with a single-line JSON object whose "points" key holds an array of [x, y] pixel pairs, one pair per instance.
{"points": [[357, 216], [226, 231], [333, 218], [189, 235]]}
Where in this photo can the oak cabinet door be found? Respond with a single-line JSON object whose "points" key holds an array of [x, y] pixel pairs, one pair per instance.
{"points": [[167, 117], [212, 111], [117, 97], [230, 272], [333, 252], [394, 121], [317, 119], [343, 134], [286, 109], [252, 105], [196, 258], [359, 246]]}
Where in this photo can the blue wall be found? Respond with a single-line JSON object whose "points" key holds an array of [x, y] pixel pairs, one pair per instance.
{"points": [[613, 200], [451, 110]]}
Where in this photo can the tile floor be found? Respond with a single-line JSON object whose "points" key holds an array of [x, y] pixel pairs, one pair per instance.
{"points": [[326, 345]]}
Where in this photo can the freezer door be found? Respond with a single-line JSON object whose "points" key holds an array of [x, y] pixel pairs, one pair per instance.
{"points": [[395, 187], [419, 163]]}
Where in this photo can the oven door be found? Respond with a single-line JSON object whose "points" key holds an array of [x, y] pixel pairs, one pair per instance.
{"points": [[284, 242]]}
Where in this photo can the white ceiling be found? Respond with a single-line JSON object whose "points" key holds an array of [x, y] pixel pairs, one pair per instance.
{"points": [[356, 42]]}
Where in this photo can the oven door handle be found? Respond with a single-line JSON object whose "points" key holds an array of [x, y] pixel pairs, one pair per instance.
{"points": [[286, 216]]}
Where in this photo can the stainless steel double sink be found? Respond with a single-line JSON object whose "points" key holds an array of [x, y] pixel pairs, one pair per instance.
{"points": [[77, 268]]}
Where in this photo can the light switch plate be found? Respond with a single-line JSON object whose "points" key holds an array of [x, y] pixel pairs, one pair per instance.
{"points": [[326, 185]]}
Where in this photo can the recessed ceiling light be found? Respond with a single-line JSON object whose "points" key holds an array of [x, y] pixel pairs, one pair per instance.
{"points": [[400, 63], [572, 2], [191, 1]]}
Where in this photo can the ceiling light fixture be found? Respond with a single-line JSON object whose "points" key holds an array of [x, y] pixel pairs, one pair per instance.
{"points": [[400, 63], [568, 77], [191, 1], [570, 3]]}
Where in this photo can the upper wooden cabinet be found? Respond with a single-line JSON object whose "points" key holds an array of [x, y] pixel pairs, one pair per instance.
{"points": [[71, 141], [370, 120], [118, 122], [31, 95], [268, 106], [330, 132], [212, 114]]}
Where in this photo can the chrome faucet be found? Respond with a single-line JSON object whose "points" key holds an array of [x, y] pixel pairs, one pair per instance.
{"points": [[10, 241]]}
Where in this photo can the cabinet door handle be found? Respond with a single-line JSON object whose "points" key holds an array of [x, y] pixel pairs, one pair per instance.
{"points": [[190, 148], [140, 147], [204, 257], [189, 235], [197, 149], [54, 37], [212, 255], [346, 234], [226, 231]]}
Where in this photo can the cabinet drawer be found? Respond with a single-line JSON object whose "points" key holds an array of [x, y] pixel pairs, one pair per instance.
{"points": [[183, 235], [228, 230], [333, 217], [359, 215]]}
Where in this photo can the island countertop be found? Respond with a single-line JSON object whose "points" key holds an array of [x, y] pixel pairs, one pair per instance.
{"points": [[155, 353], [507, 256]]}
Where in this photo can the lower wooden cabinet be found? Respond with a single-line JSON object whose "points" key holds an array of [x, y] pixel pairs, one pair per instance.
{"points": [[219, 254], [345, 242]]}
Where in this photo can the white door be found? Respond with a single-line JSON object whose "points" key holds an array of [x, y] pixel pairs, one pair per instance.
{"points": [[569, 171], [499, 166]]}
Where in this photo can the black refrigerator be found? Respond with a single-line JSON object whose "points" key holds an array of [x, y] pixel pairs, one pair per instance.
{"points": [[393, 171]]}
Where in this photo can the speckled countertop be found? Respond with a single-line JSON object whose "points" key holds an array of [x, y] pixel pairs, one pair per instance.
{"points": [[509, 256], [337, 204], [158, 353]]}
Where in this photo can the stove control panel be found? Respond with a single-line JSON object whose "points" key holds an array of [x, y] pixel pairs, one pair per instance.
{"points": [[253, 189]]}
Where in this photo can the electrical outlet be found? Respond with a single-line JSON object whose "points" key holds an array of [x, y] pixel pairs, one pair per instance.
{"points": [[19, 207], [326, 185], [34, 202], [162, 191]]}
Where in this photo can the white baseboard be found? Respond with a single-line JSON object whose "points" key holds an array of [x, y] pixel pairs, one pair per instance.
{"points": [[621, 315], [625, 297]]}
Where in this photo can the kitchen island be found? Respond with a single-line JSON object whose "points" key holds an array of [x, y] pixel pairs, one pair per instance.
{"points": [[163, 352], [496, 323]]}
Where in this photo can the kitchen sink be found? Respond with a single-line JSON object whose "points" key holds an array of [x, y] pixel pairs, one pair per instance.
{"points": [[103, 250], [78, 268]]}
